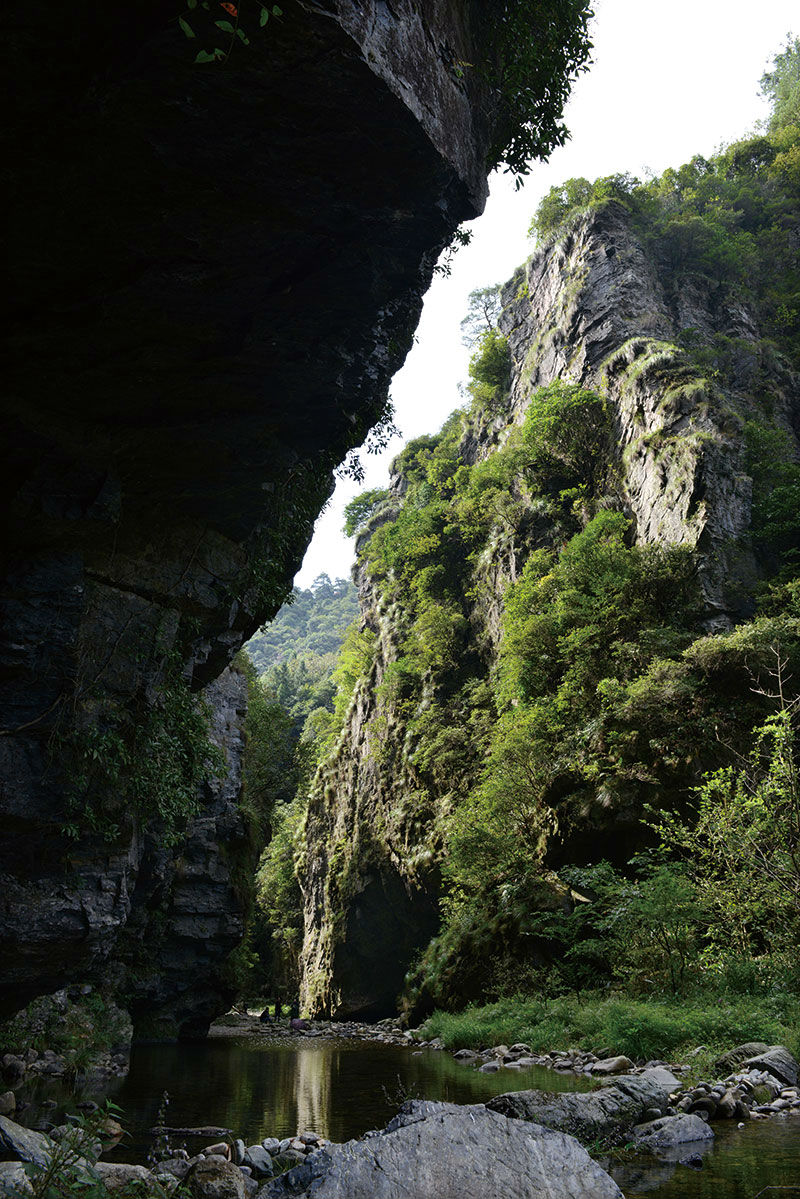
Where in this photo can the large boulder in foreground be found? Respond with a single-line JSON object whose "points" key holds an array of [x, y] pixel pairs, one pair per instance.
{"points": [[443, 1151], [609, 1112]]}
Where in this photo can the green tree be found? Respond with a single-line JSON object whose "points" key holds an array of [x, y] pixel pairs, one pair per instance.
{"points": [[535, 49], [490, 371], [566, 433], [483, 310], [361, 509], [781, 86], [654, 924], [742, 846]]}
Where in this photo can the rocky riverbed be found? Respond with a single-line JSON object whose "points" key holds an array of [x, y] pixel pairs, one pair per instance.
{"points": [[643, 1105]]}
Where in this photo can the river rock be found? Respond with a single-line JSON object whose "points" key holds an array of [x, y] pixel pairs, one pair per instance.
{"points": [[608, 1112], [14, 1180], [778, 1061], [117, 1176], [259, 1160], [24, 1144], [215, 1179], [13, 1068], [671, 1130], [734, 1057], [8, 1103], [443, 1151], [219, 1149], [612, 1065]]}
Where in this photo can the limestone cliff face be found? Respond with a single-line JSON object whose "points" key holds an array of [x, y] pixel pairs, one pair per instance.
{"points": [[217, 269], [592, 308]]}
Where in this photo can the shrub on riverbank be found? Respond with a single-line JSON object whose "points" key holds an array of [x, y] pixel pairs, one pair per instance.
{"points": [[639, 1029]]}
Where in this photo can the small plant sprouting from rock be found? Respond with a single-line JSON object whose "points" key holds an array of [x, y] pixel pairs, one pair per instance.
{"points": [[200, 21]]}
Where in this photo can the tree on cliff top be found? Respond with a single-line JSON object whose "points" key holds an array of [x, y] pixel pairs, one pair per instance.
{"points": [[781, 86], [537, 48]]}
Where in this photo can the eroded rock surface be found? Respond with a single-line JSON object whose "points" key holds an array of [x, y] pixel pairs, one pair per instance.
{"points": [[596, 309]]}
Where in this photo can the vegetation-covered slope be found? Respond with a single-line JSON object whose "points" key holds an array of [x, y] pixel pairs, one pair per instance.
{"points": [[578, 599], [312, 622]]}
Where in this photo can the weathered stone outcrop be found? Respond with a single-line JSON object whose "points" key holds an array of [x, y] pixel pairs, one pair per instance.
{"points": [[180, 904], [457, 1153], [216, 270], [597, 309]]}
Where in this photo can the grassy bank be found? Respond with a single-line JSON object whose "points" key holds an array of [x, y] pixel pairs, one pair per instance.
{"points": [[641, 1029]]}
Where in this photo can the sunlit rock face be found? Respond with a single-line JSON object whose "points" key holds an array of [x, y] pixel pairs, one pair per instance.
{"points": [[596, 309], [216, 270]]}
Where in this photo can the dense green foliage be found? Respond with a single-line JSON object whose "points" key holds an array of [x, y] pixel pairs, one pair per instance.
{"points": [[315, 654], [642, 1030], [607, 791], [781, 86], [361, 508], [150, 764], [81, 1027], [606, 694], [311, 622], [536, 48], [731, 218]]}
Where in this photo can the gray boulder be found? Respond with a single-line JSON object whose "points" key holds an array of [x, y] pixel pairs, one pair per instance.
{"points": [[734, 1057], [259, 1160], [778, 1061], [215, 1179], [671, 1130], [443, 1151], [118, 1176], [23, 1143], [13, 1180], [609, 1112], [612, 1065]]}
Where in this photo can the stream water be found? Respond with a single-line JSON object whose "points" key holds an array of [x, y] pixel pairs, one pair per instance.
{"points": [[257, 1087]]}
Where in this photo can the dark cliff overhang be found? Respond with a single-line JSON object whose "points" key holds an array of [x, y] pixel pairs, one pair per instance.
{"points": [[215, 270]]}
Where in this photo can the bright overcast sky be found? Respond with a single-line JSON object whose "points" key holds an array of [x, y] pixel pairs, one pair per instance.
{"points": [[670, 79]]}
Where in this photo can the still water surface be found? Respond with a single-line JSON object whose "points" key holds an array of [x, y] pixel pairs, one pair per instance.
{"points": [[260, 1087], [337, 1088]]}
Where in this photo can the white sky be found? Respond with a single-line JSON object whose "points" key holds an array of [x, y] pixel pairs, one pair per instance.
{"points": [[670, 79]]}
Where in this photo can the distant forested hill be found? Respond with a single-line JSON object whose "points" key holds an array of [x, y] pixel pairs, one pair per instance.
{"points": [[314, 622]]}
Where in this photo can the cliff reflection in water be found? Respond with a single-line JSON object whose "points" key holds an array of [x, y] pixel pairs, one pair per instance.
{"points": [[312, 1087], [258, 1087]]}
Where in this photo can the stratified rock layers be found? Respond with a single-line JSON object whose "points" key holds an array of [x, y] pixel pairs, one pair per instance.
{"points": [[217, 269]]}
